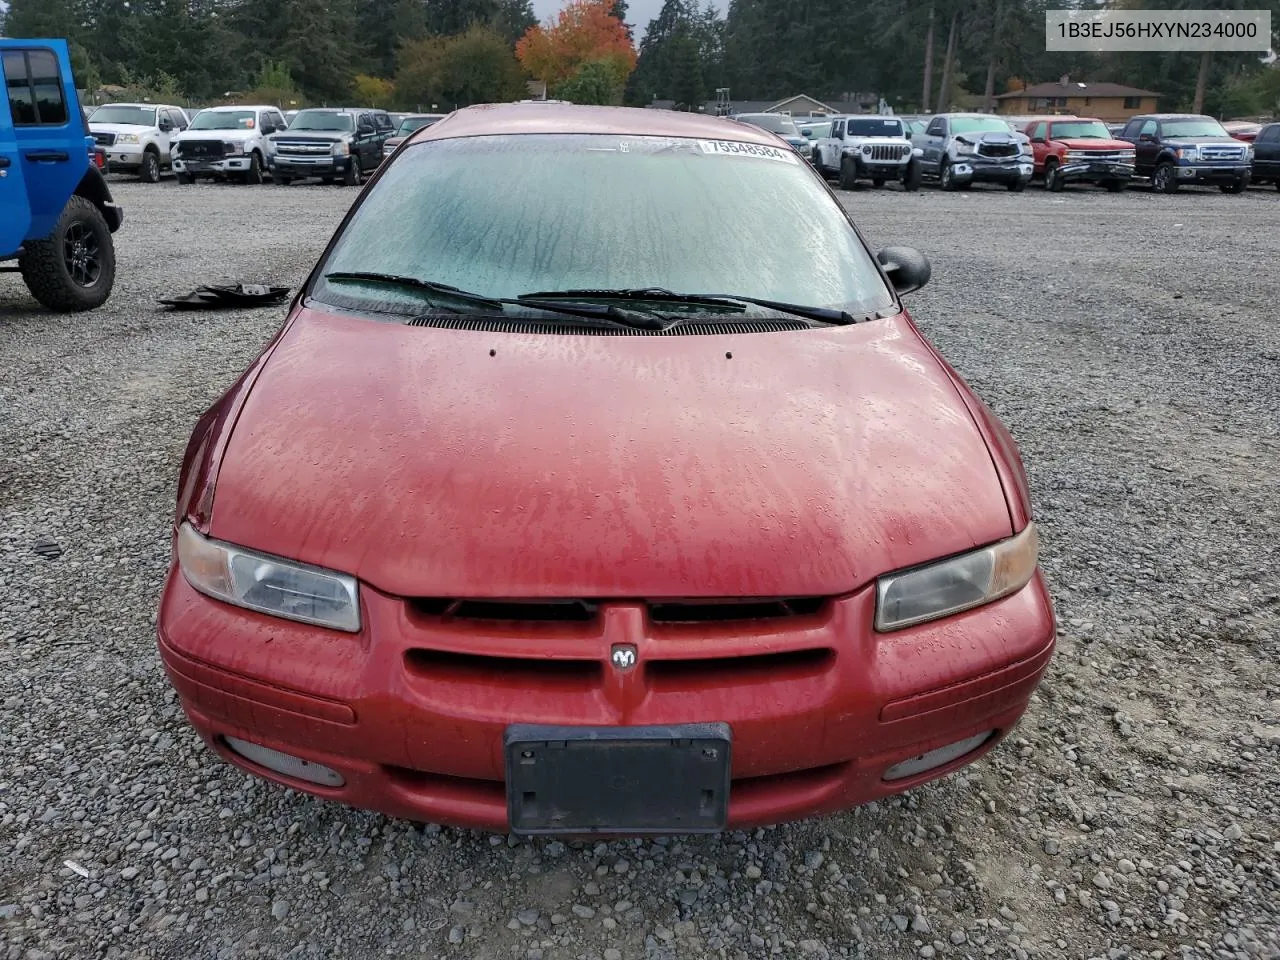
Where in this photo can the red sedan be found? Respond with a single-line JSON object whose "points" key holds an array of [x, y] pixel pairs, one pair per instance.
{"points": [[598, 481]]}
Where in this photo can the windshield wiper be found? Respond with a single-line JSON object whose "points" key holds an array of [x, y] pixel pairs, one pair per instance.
{"points": [[660, 295], [605, 313]]}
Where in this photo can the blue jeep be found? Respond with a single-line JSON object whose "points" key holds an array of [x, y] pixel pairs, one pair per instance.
{"points": [[56, 213]]}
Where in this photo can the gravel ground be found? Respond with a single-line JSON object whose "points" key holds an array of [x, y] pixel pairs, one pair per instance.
{"points": [[1131, 344]]}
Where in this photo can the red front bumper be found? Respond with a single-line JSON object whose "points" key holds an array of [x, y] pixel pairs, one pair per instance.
{"points": [[412, 710]]}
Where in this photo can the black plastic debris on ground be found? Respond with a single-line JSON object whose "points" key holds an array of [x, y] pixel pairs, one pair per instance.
{"points": [[47, 549], [241, 296]]}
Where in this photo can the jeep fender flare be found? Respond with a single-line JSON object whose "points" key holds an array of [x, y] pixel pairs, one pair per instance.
{"points": [[93, 187]]}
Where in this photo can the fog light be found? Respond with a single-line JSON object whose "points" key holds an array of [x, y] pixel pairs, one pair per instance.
{"points": [[285, 764], [936, 758]]}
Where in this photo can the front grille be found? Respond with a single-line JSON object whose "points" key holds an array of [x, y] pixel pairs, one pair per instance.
{"points": [[670, 675], [696, 610], [1223, 152], [442, 666], [304, 149], [104, 139], [1108, 155], [455, 321], [998, 149], [885, 152], [200, 149]]}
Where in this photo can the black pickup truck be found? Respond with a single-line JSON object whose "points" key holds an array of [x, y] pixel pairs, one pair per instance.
{"points": [[331, 144]]}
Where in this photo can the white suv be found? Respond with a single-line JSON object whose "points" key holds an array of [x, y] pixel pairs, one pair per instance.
{"points": [[227, 141], [136, 136]]}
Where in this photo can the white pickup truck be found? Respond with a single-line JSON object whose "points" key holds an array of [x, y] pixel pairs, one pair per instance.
{"points": [[137, 136], [868, 147]]}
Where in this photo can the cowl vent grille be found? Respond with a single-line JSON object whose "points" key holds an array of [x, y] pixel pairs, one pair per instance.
{"points": [[685, 328]]}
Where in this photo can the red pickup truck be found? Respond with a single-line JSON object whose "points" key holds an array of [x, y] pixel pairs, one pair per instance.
{"points": [[1079, 150]]}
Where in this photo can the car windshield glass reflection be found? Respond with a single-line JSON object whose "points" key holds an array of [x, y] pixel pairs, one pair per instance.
{"points": [[504, 215]]}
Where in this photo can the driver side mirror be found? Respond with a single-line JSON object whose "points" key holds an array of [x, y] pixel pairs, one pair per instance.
{"points": [[1039, 140], [165, 126], [1147, 137], [907, 268], [364, 129]]}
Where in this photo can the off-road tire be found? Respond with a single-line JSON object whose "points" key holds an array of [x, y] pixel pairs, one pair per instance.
{"points": [[149, 172], [74, 267], [352, 177], [848, 174], [1164, 179], [186, 179], [254, 174], [946, 179], [911, 180], [1053, 181]]}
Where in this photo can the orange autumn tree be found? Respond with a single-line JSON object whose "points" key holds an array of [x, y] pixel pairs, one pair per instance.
{"points": [[584, 35]]}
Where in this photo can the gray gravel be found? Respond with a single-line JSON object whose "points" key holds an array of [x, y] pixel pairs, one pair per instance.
{"points": [[1131, 344]]}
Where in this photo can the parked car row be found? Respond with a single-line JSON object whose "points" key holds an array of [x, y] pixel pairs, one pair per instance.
{"points": [[248, 142], [958, 150]]}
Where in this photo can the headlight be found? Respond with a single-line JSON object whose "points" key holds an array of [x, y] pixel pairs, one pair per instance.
{"points": [[341, 149], [1075, 156], [282, 588], [949, 586], [1129, 155], [1188, 153], [127, 138], [1248, 153], [964, 149], [231, 148]]}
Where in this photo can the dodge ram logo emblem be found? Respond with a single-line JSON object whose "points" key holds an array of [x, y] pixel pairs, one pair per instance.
{"points": [[623, 656]]}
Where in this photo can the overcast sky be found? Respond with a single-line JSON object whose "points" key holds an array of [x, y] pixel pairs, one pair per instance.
{"points": [[639, 12]]}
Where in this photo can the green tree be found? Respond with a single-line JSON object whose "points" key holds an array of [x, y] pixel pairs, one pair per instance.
{"points": [[447, 72], [595, 81]]}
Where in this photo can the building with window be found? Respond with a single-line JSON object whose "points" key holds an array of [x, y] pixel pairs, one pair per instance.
{"points": [[1112, 102]]}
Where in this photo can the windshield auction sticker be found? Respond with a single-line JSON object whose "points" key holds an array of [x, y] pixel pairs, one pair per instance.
{"points": [[1171, 30], [733, 148]]}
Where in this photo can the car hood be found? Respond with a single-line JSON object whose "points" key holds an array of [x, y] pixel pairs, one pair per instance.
{"points": [[447, 463], [120, 128], [309, 136], [236, 134], [992, 136], [1092, 143]]}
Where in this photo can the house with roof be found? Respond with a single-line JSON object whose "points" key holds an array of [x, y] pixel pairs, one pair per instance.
{"points": [[1110, 102]]}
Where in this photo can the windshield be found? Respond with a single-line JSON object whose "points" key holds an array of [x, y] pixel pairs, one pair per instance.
{"points": [[773, 122], [1196, 127], [411, 124], [223, 120], [1080, 130], [138, 116], [511, 214], [323, 120], [873, 127], [816, 131], [978, 125]]}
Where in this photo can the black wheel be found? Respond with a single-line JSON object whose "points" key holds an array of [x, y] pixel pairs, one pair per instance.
{"points": [[1237, 187], [1165, 178], [877, 182], [946, 178], [75, 266], [254, 174], [1116, 186], [1018, 186], [1053, 177], [186, 179], [848, 173], [149, 172], [352, 177], [281, 180], [911, 182]]}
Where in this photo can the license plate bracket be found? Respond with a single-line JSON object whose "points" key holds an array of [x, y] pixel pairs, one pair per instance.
{"points": [[618, 780]]}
